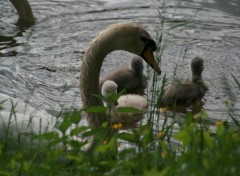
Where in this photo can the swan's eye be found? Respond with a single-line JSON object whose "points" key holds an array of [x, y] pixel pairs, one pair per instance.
{"points": [[152, 44], [149, 43], [144, 39]]}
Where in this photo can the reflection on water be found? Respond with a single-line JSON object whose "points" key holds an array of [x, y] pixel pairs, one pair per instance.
{"points": [[41, 63], [9, 43]]}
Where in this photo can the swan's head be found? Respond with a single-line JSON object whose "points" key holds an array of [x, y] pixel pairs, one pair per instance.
{"points": [[197, 66], [133, 38], [137, 65], [109, 88]]}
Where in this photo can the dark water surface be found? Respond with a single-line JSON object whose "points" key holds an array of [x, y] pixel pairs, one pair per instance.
{"points": [[41, 64]]}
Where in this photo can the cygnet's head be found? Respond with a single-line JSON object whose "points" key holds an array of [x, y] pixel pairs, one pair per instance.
{"points": [[197, 66], [109, 88], [137, 65]]}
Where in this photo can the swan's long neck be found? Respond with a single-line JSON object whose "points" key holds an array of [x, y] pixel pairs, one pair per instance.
{"points": [[90, 71], [24, 10], [89, 76]]}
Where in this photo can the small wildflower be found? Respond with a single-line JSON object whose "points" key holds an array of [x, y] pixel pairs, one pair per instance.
{"points": [[117, 126], [120, 125], [196, 116], [219, 123], [164, 154], [161, 135], [228, 102], [163, 109], [235, 135]]}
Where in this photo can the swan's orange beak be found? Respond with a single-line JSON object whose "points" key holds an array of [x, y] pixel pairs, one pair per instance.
{"points": [[148, 56]]}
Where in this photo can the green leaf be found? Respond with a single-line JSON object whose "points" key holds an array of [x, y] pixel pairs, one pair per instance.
{"points": [[77, 144], [208, 139], [47, 136], [205, 114], [97, 131], [96, 109], [57, 141], [147, 137], [64, 125], [183, 136], [110, 146], [75, 117], [128, 137], [78, 130]]}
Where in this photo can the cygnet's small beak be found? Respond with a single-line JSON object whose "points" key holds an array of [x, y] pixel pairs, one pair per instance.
{"points": [[148, 56]]}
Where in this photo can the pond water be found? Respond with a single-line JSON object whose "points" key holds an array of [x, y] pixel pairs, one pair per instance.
{"points": [[40, 64]]}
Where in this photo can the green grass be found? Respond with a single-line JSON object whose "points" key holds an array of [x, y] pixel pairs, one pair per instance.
{"points": [[197, 150]]}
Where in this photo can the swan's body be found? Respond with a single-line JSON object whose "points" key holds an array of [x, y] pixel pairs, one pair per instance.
{"points": [[18, 118], [24, 11], [126, 119], [131, 79], [121, 36], [19, 122], [186, 93]]}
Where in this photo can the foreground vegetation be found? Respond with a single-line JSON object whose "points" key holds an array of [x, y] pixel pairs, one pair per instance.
{"points": [[194, 149]]}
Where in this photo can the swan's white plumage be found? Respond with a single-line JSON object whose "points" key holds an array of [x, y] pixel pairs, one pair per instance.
{"points": [[132, 100], [20, 117]]}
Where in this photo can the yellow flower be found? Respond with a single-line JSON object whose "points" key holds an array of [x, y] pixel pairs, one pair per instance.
{"points": [[235, 135], [163, 109], [196, 116], [161, 135], [117, 126], [228, 102], [164, 154], [219, 123]]}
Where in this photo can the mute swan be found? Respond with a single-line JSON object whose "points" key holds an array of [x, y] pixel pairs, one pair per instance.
{"points": [[186, 93], [24, 11], [120, 36], [19, 122], [18, 118], [131, 78], [126, 119]]}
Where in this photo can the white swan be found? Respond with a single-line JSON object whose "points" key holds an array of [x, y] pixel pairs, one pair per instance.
{"points": [[125, 119], [22, 117], [120, 36], [131, 79]]}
